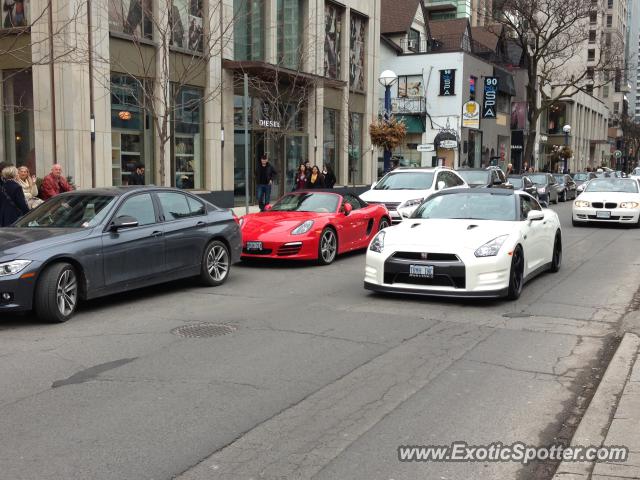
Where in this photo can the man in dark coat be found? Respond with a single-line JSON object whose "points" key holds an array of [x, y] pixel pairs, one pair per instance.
{"points": [[264, 180], [137, 176], [12, 202]]}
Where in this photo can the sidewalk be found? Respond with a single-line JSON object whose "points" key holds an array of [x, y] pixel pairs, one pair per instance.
{"points": [[240, 211], [612, 419]]}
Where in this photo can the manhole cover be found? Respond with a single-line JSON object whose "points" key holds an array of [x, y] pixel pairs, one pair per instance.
{"points": [[516, 315], [203, 330]]}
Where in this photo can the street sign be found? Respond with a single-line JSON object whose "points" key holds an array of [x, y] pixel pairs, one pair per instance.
{"points": [[617, 154], [426, 147]]}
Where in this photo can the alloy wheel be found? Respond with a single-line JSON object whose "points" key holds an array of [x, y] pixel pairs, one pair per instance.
{"points": [[328, 246], [67, 292], [383, 224], [218, 263]]}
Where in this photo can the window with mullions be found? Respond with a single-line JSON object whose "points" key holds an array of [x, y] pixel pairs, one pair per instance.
{"points": [[187, 139], [357, 42], [131, 17], [290, 41], [249, 31], [332, 40], [185, 20]]}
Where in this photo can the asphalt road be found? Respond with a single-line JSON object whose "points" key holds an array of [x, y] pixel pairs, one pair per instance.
{"points": [[318, 379]]}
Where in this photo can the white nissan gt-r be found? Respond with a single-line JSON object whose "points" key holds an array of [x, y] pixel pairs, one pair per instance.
{"points": [[608, 200], [482, 243]]}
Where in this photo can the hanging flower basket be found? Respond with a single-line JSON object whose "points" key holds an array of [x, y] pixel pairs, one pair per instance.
{"points": [[387, 134]]}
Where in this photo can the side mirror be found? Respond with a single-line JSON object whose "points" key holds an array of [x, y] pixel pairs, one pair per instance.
{"points": [[347, 209], [123, 222], [267, 207], [441, 185], [535, 215]]}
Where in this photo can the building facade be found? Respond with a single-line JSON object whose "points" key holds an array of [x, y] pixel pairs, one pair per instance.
{"points": [[159, 83], [633, 57]]}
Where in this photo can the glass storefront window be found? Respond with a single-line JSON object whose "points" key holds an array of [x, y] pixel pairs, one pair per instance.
{"points": [[248, 31], [131, 17], [332, 40], [355, 148], [330, 150], [290, 42], [356, 52], [557, 118], [297, 152], [17, 106], [185, 20], [15, 13], [187, 139], [127, 130]]}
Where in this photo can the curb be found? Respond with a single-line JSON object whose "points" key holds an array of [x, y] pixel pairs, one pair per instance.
{"points": [[595, 423]]}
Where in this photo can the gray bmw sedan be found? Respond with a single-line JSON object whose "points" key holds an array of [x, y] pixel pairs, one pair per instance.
{"points": [[86, 244]]}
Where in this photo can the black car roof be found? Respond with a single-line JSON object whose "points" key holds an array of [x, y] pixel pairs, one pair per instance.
{"points": [[118, 191]]}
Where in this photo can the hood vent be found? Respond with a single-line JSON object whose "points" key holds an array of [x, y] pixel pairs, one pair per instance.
{"points": [[471, 227], [415, 225]]}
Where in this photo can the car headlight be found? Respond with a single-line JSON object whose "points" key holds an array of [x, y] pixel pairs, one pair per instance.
{"points": [[377, 244], [629, 205], [411, 203], [11, 268], [541, 190], [302, 228], [491, 248], [582, 204]]}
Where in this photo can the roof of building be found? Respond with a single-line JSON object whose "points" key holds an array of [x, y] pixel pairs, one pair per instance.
{"points": [[448, 28], [398, 15], [487, 36]]}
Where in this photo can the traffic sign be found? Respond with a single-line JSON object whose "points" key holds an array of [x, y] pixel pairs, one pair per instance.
{"points": [[426, 147], [617, 154]]}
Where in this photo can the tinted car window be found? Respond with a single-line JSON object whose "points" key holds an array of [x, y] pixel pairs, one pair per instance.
{"points": [[69, 211], [405, 180], [475, 177], [539, 179], [475, 206], [174, 205], [196, 206], [139, 207]]}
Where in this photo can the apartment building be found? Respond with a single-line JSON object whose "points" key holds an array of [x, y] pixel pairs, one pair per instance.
{"points": [[633, 57], [159, 83]]}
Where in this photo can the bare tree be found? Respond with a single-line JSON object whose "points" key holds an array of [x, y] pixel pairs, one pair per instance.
{"points": [[631, 134], [554, 36]]}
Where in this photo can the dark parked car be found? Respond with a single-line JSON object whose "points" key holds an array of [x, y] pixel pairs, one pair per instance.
{"points": [[580, 177], [522, 182], [86, 244], [566, 187], [480, 177], [546, 185]]}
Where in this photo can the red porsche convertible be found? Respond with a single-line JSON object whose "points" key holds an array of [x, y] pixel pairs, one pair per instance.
{"points": [[312, 225]]}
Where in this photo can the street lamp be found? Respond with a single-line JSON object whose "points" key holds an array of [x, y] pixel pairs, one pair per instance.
{"points": [[567, 130], [386, 79]]}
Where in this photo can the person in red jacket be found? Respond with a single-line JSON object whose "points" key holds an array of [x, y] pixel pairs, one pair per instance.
{"points": [[54, 183]]}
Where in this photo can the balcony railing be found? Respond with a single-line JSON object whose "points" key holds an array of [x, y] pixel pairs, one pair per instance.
{"points": [[405, 105], [444, 43]]}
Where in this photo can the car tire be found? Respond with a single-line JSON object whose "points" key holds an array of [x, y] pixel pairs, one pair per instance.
{"points": [[216, 264], [563, 198], [556, 256], [516, 274], [57, 293], [327, 246], [384, 223]]}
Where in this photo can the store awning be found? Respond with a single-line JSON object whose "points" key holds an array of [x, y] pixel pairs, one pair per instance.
{"points": [[414, 123], [505, 81]]}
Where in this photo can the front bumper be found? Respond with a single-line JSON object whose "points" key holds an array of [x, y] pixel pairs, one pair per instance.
{"points": [[617, 215], [467, 276], [21, 292]]}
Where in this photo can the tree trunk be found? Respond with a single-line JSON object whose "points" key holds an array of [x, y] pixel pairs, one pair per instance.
{"points": [[532, 114]]}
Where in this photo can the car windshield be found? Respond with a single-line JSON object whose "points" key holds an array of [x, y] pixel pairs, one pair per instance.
{"points": [[405, 181], [69, 211], [475, 177], [472, 206], [612, 185], [581, 177], [559, 178], [603, 174], [538, 178], [516, 182], [307, 202]]}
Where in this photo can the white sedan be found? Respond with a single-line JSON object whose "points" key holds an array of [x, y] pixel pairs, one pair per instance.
{"points": [[482, 243], [608, 200]]}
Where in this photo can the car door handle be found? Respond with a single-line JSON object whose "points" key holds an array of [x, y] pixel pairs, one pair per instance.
{"points": [[156, 234], [200, 224]]}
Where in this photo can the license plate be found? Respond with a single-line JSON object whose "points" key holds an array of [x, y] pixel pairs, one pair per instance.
{"points": [[422, 271], [603, 214], [254, 245]]}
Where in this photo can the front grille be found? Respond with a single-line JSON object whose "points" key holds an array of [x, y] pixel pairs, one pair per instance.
{"points": [[610, 205], [432, 257], [264, 251], [287, 250], [391, 205], [597, 204]]}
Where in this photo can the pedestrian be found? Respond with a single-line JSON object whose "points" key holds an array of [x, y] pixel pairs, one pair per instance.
{"points": [[395, 163], [509, 170], [329, 176], [12, 202], [531, 170], [525, 167], [29, 187], [264, 179], [54, 183], [316, 180], [300, 181], [137, 176]]}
